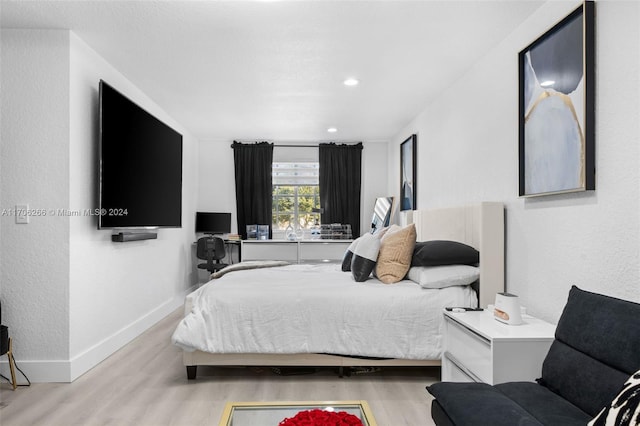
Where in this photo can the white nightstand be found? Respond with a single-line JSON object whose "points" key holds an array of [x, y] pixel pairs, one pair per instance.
{"points": [[478, 348]]}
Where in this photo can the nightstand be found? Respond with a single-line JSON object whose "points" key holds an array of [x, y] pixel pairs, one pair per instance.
{"points": [[478, 348]]}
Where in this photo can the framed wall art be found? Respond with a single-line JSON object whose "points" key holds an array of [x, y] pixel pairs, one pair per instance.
{"points": [[408, 173], [556, 108]]}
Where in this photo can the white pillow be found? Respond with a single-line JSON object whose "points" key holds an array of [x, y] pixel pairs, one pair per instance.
{"points": [[443, 276]]}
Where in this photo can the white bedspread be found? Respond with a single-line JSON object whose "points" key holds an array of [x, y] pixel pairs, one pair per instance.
{"points": [[316, 309]]}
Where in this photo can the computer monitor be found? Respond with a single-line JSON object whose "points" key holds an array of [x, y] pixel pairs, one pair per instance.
{"points": [[213, 223]]}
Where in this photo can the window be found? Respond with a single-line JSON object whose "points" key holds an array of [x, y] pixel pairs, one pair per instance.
{"points": [[296, 195]]}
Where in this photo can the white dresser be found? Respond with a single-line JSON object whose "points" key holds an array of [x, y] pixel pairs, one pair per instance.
{"points": [[303, 251], [479, 348]]}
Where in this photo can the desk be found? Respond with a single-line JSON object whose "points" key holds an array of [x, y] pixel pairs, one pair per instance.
{"points": [[229, 248], [302, 251]]}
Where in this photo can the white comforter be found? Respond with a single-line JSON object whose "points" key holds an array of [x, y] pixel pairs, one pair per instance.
{"points": [[316, 309]]}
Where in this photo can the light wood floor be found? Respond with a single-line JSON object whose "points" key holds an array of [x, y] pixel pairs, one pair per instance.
{"points": [[145, 384]]}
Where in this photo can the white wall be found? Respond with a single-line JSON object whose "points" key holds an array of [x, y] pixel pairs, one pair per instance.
{"points": [[144, 280], [468, 152], [73, 297], [217, 183], [34, 169]]}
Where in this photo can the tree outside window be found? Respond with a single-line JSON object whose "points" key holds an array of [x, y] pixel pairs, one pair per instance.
{"points": [[295, 196]]}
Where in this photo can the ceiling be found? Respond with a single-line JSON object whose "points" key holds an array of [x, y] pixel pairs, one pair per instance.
{"points": [[274, 70]]}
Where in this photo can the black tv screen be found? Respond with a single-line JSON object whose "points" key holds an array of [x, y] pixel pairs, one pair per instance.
{"points": [[213, 223], [140, 166]]}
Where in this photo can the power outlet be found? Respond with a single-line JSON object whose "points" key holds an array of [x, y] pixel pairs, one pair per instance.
{"points": [[22, 215]]}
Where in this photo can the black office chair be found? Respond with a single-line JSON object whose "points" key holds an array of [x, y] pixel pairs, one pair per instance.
{"points": [[212, 250]]}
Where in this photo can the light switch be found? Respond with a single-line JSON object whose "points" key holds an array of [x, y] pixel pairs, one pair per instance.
{"points": [[22, 213]]}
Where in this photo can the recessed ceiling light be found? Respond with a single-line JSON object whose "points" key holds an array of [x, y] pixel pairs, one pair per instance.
{"points": [[332, 130], [547, 83], [351, 82]]}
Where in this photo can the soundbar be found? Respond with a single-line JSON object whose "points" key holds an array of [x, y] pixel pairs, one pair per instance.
{"points": [[123, 237]]}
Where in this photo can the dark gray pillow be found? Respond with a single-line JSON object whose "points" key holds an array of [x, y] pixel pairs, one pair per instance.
{"points": [[348, 255], [365, 255], [444, 252]]}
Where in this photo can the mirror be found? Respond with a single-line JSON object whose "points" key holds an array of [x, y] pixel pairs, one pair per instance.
{"points": [[381, 213]]}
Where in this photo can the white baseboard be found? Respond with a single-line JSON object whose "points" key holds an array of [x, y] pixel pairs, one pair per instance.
{"points": [[38, 371], [66, 371]]}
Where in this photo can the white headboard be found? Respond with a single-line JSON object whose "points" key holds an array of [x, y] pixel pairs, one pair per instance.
{"points": [[480, 226]]}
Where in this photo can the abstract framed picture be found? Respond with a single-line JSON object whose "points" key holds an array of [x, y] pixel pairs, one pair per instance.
{"points": [[556, 108], [408, 173]]}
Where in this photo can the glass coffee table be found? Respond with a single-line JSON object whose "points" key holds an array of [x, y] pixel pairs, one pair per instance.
{"points": [[272, 413]]}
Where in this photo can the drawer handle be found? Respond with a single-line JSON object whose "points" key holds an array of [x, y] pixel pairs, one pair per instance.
{"points": [[472, 333], [462, 368]]}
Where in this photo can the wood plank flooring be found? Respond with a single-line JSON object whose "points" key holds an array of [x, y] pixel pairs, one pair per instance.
{"points": [[145, 383]]}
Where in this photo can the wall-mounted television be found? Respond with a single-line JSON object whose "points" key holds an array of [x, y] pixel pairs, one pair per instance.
{"points": [[140, 166], [213, 223]]}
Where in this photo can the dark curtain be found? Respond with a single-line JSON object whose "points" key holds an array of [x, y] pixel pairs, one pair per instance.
{"points": [[253, 184], [340, 179]]}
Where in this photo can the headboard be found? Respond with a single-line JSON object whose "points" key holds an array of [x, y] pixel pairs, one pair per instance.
{"points": [[480, 226]]}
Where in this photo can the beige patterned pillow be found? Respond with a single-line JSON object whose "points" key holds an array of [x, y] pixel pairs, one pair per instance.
{"points": [[396, 251]]}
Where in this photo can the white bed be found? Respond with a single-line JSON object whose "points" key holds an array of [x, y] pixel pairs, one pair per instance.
{"points": [[366, 323]]}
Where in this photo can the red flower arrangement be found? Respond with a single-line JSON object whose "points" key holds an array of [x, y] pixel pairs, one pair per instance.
{"points": [[319, 417]]}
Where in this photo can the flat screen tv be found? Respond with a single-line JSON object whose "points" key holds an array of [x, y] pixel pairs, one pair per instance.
{"points": [[140, 166], [213, 223]]}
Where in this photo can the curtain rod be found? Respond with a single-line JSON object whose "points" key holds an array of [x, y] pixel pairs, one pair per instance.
{"points": [[314, 146], [305, 146]]}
